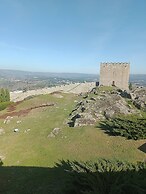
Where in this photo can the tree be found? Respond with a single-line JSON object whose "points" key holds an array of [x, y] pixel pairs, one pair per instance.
{"points": [[131, 127], [7, 95], [4, 95], [130, 86]]}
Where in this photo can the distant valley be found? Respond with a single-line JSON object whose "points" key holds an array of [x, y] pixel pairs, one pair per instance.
{"points": [[24, 80]]}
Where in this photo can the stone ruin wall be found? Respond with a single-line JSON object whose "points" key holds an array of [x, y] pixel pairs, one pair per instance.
{"points": [[117, 73]]}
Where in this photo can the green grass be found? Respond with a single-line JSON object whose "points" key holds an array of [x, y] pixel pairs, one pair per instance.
{"points": [[4, 105], [29, 156], [106, 88], [34, 148]]}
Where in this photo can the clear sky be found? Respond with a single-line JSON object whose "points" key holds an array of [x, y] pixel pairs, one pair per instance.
{"points": [[72, 35]]}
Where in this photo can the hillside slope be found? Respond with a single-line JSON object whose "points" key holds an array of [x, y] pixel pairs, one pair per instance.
{"points": [[32, 146], [36, 144]]}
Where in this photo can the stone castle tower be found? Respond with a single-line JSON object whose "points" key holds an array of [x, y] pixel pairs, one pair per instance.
{"points": [[115, 74]]}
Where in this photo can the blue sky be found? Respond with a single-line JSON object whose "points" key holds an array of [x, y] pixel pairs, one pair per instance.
{"points": [[72, 35]]}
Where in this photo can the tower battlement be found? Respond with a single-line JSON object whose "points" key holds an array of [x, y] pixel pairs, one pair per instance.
{"points": [[115, 64]]}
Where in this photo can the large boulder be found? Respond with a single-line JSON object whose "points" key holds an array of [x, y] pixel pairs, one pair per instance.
{"points": [[139, 98], [85, 119]]}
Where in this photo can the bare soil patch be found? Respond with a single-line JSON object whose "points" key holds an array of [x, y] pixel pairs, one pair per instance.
{"points": [[12, 107], [23, 112]]}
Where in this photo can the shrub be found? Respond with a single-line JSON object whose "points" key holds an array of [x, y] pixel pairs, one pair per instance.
{"points": [[129, 127], [4, 95], [4, 105], [130, 86], [106, 177]]}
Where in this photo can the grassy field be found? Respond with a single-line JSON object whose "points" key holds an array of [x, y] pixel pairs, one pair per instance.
{"points": [[34, 149]]}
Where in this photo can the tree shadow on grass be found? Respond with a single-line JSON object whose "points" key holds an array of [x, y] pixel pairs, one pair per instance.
{"points": [[103, 177], [108, 129], [143, 148], [33, 180], [130, 128]]}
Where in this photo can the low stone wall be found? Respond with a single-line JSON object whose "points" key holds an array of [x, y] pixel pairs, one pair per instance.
{"points": [[76, 88]]}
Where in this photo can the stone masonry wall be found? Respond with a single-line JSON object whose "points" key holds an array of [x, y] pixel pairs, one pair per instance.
{"points": [[115, 74]]}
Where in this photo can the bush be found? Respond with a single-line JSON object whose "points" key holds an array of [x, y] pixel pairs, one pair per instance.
{"points": [[4, 95], [106, 177], [4, 105], [129, 127], [130, 86]]}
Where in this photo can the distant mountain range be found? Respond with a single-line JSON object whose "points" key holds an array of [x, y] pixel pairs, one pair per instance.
{"points": [[16, 74], [4, 73]]}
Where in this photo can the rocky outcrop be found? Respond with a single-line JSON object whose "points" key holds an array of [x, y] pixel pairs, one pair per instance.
{"points": [[138, 97], [98, 105]]}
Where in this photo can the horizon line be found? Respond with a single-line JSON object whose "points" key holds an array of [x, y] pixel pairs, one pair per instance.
{"points": [[30, 71]]}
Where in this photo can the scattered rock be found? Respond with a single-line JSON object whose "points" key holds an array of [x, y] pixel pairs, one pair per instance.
{"points": [[2, 131], [54, 132], [2, 157], [18, 122], [26, 130], [8, 119], [51, 135], [86, 96], [92, 98], [16, 130], [64, 137]]}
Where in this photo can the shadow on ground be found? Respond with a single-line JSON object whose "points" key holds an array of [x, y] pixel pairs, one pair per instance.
{"points": [[130, 128], [106, 128], [143, 148], [74, 178]]}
